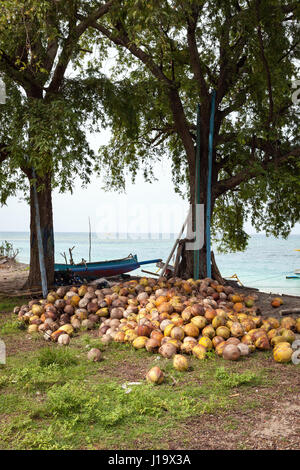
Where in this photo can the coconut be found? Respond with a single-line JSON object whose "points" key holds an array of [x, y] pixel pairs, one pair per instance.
{"points": [[140, 342], [191, 330], [37, 310], [220, 348], [199, 321], [155, 334], [106, 339], [288, 336], [164, 324], [231, 352], [120, 337], [94, 355], [262, 343], [63, 340], [197, 309], [289, 323], [237, 330], [282, 354], [76, 323], [180, 362], [187, 347], [155, 376], [206, 342], [87, 324], [217, 340], [33, 328], [244, 349], [199, 351], [144, 330], [209, 331], [218, 321], [167, 350], [210, 314], [130, 335], [223, 331], [177, 333], [152, 345], [68, 328], [168, 329]]}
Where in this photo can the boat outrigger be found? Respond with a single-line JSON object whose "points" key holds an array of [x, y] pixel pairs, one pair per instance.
{"points": [[296, 273], [81, 272]]}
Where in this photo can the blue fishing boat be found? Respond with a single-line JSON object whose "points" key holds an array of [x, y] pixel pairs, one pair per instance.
{"points": [[296, 273], [98, 269]]}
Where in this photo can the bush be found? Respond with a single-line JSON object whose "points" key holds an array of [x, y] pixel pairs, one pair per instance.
{"points": [[7, 250]]}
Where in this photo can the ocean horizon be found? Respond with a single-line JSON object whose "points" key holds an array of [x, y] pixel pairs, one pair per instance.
{"points": [[263, 265]]}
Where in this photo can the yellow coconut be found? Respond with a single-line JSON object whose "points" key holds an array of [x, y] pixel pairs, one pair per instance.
{"points": [[282, 355], [209, 331], [223, 331], [67, 329], [168, 329], [191, 330], [199, 321], [155, 376], [277, 340], [206, 342], [140, 342], [199, 351], [130, 336], [289, 336], [180, 362], [33, 329]]}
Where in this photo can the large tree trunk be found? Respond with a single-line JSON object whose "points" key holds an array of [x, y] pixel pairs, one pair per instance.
{"points": [[186, 265], [46, 223]]}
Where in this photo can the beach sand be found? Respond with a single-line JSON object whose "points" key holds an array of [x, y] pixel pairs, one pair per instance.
{"points": [[13, 276]]}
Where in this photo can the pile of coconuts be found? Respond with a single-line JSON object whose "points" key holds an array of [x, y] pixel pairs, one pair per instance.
{"points": [[171, 317]]}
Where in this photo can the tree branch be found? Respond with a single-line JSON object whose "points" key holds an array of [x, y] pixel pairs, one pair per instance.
{"points": [[4, 154], [229, 184], [71, 41], [181, 124], [265, 63], [196, 65]]}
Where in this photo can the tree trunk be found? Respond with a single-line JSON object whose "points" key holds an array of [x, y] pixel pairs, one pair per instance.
{"points": [[46, 223], [186, 265]]}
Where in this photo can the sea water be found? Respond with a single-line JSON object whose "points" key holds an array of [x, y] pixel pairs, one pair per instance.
{"points": [[264, 265]]}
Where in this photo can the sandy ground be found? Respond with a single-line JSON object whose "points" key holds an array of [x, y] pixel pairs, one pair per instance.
{"points": [[13, 276]]}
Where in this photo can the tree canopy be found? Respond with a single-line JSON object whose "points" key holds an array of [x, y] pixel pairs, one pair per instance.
{"points": [[173, 55]]}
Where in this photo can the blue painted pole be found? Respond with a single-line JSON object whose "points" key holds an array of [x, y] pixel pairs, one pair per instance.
{"points": [[197, 189], [209, 179]]}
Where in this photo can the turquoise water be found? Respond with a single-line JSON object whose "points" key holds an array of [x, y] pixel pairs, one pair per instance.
{"points": [[263, 265]]}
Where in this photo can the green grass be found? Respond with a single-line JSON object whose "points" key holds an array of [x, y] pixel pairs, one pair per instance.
{"points": [[54, 398], [7, 304], [57, 399]]}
